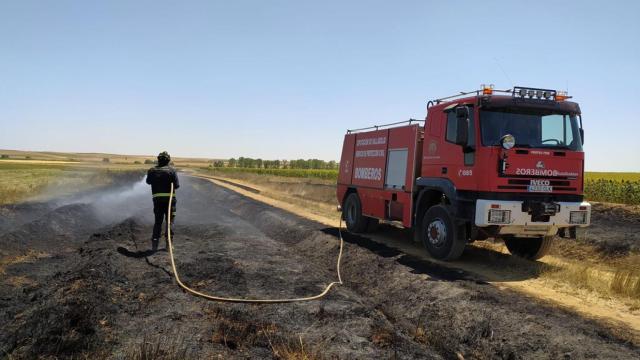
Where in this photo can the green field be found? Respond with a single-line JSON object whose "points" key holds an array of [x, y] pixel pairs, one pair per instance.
{"points": [[38, 181], [617, 176], [614, 187], [295, 173]]}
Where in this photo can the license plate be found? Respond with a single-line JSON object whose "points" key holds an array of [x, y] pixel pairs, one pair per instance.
{"points": [[540, 188]]}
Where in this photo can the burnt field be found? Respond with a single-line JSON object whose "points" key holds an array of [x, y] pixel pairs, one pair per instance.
{"points": [[77, 280]]}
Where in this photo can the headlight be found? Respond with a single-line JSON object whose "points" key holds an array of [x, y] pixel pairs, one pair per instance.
{"points": [[499, 216], [578, 217], [508, 141]]}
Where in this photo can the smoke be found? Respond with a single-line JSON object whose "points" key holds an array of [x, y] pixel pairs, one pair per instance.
{"points": [[119, 203]]}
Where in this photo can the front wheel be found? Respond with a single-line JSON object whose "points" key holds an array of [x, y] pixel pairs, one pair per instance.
{"points": [[443, 239], [529, 248]]}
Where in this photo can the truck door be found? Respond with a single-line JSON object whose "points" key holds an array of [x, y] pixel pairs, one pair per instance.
{"points": [[459, 162]]}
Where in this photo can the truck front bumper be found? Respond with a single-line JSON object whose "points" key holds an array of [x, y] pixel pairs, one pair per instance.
{"points": [[516, 218]]}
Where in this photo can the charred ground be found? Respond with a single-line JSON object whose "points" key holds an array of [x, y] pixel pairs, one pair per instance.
{"points": [[77, 280]]}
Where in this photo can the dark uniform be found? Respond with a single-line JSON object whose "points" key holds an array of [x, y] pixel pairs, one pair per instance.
{"points": [[160, 178]]}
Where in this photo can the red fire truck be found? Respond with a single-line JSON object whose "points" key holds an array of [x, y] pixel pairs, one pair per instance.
{"points": [[483, 164]]}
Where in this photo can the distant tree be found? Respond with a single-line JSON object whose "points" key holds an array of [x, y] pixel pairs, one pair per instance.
{"points": [[148, 161], [271, 164], [300, 164], [218, 163], [137, 162], [28, 157], [245, 162], [4, 156]]}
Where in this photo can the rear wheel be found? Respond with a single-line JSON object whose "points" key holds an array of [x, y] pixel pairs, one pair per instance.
{"points": [[443, 239], [529, 248], [352, 214]]}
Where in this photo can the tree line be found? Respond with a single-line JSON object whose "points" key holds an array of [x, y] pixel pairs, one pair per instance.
{"points": [[244, 162]]}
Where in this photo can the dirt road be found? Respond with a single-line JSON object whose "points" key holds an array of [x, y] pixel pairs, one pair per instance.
{"points": [[77, 280]]}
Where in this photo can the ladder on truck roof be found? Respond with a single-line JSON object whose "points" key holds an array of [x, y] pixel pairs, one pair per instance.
{"points": [[463, 93], [378, 127]]}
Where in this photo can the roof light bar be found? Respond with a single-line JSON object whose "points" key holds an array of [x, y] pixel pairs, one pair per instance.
{"points": [[540, 94]]}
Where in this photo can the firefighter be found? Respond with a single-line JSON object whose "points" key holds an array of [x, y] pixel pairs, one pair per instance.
{"points": [[160, 178]]}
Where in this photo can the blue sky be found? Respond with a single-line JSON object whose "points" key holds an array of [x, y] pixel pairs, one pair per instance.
{"points": [[284, 79]]}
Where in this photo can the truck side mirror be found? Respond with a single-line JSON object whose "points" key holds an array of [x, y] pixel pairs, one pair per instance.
{"points": [[462, 126], [582, 135]]}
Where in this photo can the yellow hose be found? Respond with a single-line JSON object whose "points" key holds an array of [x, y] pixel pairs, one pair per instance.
{"points": [[240, 300]]}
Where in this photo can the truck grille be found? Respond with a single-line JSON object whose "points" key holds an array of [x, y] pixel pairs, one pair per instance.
{"points": [[523, 184], [527, 182], [514, 187]]}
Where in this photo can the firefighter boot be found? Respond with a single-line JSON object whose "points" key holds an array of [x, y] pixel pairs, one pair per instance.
{"points": [[154, 244]]}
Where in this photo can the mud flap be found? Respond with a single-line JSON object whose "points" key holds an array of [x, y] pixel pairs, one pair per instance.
{"points": [[567, 233]]}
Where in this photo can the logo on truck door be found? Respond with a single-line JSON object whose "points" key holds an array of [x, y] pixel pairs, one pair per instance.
{"points": [[540, 165]]}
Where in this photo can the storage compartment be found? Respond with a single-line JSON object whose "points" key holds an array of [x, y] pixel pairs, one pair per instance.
{"points": [[396, 175]]}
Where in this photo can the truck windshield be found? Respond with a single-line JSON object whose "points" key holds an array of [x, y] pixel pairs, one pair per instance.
{"points": [[531, 129]]}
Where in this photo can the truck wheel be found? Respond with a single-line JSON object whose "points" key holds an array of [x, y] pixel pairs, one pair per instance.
{"points": [[352, 214], [529, 248], [442, 238]]}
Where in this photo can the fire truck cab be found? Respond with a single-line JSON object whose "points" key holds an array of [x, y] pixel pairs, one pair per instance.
{"points": [[484, 164]]}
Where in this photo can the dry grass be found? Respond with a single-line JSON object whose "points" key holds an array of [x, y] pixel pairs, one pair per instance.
{"points": [[316, 195], [19, 281], [623, 285], [587, 267], [237, 330], [161, 348], [30, 256], [96, 158], [626, 283], [291, 350], [573, 265]]}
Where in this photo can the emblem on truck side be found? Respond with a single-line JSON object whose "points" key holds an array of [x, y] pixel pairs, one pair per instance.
{"points": [[433, 148], [432, 151], [540, 165]]}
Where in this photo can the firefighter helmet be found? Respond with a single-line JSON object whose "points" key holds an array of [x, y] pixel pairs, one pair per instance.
{"points": [[164, 157]]}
